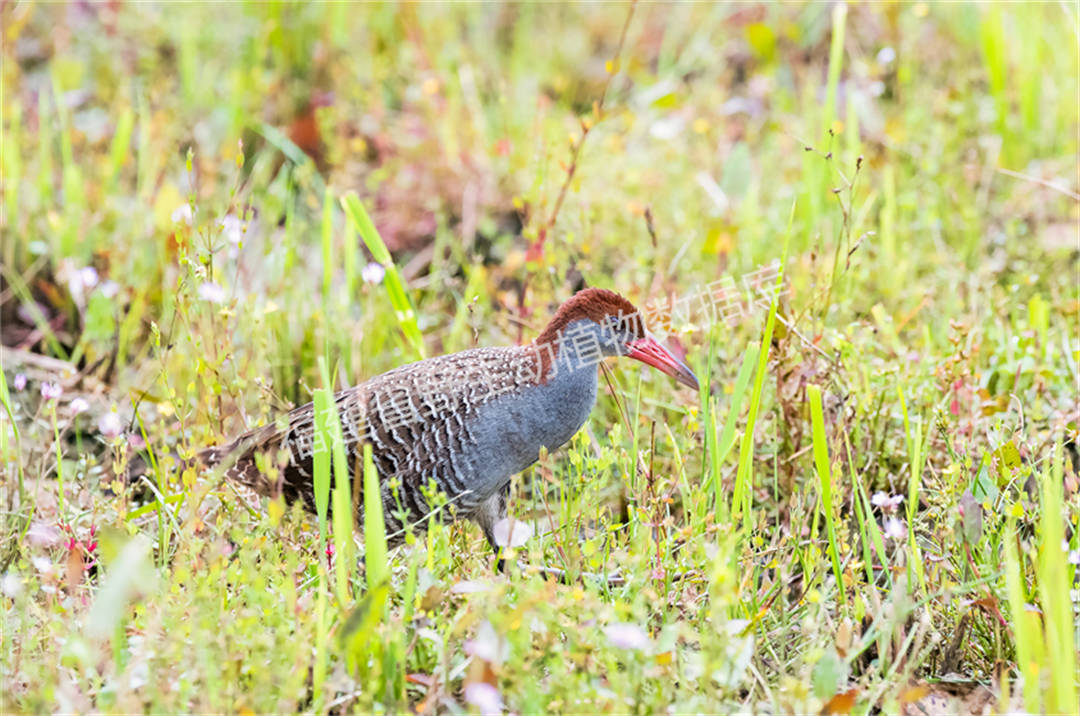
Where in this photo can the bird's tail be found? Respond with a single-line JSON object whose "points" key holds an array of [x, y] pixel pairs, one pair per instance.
{"points": [[236, 462], [140, 465]]}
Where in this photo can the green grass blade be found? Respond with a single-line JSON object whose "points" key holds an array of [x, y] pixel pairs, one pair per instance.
{"points": [[12, 166], [868, 526], [914, 438], [1055, 580], [742, 382], [327, 235], [322, 642], [824, 471], [395, 287], [744, 478], [323, 403], [293, 153], [375, 562], [350, 252], [1026, 627], [121, 145], [726, 440], [836, 60], [341, 495]]}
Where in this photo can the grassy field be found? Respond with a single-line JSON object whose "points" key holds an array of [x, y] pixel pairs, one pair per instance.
{"points": [[213, 212]]}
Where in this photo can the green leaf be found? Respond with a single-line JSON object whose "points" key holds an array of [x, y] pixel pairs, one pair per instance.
{"points": [[827, 675], [1008, 459]]}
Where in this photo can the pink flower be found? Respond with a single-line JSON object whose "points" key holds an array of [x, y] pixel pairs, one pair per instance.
{"points": [[110, 425], [41, 534], [886, 502], [51, 391], [20, 381], [895, 529], [484, 697]]}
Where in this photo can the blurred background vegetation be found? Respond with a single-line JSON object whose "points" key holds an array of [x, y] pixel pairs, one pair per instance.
{"points": [[173, 242]]}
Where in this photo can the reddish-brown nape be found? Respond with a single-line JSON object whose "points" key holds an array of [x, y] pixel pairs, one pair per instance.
{"points": [[596, 304]]}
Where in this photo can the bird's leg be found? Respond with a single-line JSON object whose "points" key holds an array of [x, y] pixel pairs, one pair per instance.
{"points": [[487, 515], [491, 511]]}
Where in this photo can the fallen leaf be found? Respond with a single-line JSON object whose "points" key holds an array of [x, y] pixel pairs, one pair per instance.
{"points": [[841, 703]]}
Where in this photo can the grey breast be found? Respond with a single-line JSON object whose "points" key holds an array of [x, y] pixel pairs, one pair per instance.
{"points": [[509, 432]]}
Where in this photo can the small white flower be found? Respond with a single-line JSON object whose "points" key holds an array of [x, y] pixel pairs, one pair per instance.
{"points": [[886, 502], [20, 381], [140, 675], [11, 585], [667, 128], [183, 213], [109, 288], [895, 529], [210, 291], [627, 636], [484, 697], [886, 56], [42, 565], [509, 532], [1074, 557], [79, 405], [231, 228], [79, 279], [110, 425], [51, 391], [373, 272], [88, 276]]}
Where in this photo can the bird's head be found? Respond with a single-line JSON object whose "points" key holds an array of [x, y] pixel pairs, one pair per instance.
{"points": [[596, 322]]}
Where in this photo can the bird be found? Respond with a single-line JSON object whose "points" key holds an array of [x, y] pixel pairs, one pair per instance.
{"points": [[464, 423]]}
